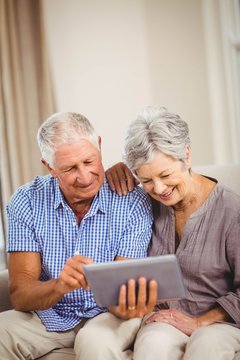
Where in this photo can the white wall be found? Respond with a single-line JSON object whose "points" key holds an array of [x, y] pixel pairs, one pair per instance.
{"points": [[110, 58], [178, 65]]}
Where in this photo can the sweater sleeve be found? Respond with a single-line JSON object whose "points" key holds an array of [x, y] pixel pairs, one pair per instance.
{"points": [[230, 302]]}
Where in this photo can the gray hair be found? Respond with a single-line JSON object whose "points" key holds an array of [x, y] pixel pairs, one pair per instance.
{"points": [[155, 130], [63, 128]]}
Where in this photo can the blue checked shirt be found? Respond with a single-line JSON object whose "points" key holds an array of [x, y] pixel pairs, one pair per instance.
{"points": [[40, 220]]}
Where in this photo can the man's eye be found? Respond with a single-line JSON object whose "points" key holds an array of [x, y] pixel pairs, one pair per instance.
{"points": [[69, 169]]}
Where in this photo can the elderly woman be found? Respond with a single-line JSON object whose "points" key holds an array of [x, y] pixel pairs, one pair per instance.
{"points": [[197, 219]]}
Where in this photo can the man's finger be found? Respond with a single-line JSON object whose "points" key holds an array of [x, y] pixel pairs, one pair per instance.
{"points": [[122, 302], [142, 293], [152, 295], [131, 295]]}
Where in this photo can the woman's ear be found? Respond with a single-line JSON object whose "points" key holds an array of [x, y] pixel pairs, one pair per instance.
{"points": [[99, 142], [188, 160]]}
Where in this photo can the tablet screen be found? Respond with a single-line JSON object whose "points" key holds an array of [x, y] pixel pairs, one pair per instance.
{"points": [[105, 279]]}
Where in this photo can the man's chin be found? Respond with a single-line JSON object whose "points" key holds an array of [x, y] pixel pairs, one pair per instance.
{"points": [[85, 195]]}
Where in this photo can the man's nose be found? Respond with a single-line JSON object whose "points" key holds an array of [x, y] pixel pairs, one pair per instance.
{"points": [[83, 176]]}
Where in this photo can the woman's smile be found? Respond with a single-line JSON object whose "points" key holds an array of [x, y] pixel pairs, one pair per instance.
{"points": [[168, 195]]}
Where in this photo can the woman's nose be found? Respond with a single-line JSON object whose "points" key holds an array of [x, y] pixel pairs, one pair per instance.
{"points": [[159, 187]]}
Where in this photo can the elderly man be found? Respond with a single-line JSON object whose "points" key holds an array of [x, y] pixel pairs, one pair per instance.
{"points": [[57, 223]]}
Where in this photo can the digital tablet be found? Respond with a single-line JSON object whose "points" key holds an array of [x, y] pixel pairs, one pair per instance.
{"points": [[105, 279]]}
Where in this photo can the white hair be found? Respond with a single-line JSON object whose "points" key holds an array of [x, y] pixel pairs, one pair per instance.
{"points": [[63, 128], [155, 130]]}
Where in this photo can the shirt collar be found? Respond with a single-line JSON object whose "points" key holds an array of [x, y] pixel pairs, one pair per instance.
{"points": [[59, 198], [99, 200]]}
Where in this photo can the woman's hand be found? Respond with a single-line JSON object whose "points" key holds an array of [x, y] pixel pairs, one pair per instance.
{"points": [[136, 304], [121, 179], [185, 323]]}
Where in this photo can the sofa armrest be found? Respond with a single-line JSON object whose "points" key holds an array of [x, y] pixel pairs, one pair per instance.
{"points": [[5, 303]]}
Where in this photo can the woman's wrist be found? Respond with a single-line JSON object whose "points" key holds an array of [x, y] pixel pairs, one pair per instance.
{"points": [[213, 316]]}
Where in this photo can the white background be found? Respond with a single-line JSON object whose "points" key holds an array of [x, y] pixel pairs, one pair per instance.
{"points": [[110, 58]]}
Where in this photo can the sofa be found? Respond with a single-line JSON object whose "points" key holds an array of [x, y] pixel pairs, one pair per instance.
{"points": [[226, 174]]}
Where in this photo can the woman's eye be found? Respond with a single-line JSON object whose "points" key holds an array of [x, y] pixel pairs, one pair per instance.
{"points": [[165, 176], [146, 181]]}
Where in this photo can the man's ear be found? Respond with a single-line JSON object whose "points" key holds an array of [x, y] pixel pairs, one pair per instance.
{"points": [[49, 168]]}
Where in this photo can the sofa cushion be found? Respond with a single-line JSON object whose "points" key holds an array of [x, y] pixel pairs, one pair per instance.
{"points": [[5, 303]]}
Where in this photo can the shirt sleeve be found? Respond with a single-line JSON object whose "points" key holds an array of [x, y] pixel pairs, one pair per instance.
{"points": [[20, 223], [136, 237], [230, 302]]}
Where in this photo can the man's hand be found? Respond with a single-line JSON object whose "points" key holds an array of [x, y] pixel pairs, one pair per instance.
{"points": [[132, 305], [121, 179], [28, 293], [72, 275]]}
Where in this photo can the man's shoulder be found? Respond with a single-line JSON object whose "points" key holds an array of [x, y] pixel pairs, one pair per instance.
{"points": [[36, 186], [137, 198], [140, 192], [137, 193]]}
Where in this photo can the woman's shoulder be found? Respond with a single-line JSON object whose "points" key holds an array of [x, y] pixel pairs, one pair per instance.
{"points": [[225, 197]]}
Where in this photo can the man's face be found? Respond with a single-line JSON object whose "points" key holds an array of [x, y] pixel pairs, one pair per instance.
{"points": [[79, 171]]}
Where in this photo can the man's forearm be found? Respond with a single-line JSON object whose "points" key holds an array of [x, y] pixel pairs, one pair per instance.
{"points": [[29, 295]]}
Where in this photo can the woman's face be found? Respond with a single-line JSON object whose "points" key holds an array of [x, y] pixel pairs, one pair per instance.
{"points": [[165, 178]]}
